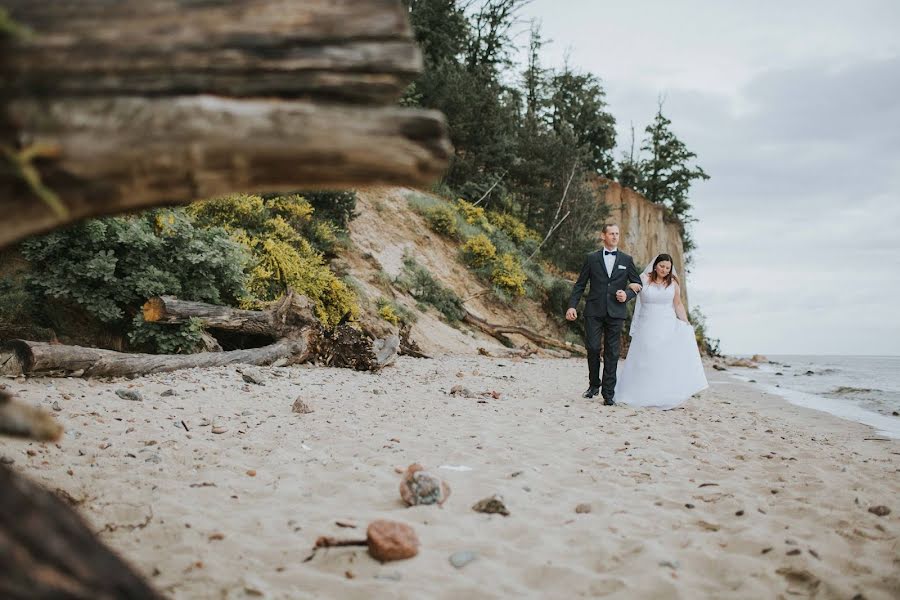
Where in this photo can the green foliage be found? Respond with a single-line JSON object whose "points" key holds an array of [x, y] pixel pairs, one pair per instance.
{"points": [[166, 339], [707, 345], [507, 274], [109, 267], [337, 207], [421, 285], [272, 230], [479, 251]]}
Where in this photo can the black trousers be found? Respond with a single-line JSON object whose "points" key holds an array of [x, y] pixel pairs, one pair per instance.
{"points": [[609, 330]]}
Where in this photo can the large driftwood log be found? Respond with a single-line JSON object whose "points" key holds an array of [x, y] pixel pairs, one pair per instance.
{"points": [[498, 331], [47, 550], [104, 156], [289, 315], [43, 359], [113, 106], [342, 346], [361, 51]]}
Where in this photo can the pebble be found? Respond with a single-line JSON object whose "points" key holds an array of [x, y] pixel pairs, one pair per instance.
{"points": [[880, 510], [491, 505], [583, 508], [421, 487], [253, 378], [167, 393], [132, 395], [6, 460], [458, 390], [153, 458], [56, 406], [461, 559], [301, 407], [219, 429]]}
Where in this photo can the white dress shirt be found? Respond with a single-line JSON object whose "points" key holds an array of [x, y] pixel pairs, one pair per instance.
{"points": [[609, 260]]}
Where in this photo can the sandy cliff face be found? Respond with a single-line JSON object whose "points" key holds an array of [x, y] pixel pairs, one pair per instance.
{"points": [[645, 233]]}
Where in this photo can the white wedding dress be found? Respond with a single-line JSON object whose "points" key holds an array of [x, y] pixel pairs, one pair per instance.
{"points": [[663, 367]]}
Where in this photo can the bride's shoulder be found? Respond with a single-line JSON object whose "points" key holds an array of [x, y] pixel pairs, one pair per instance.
{"points": [[645, 277]]}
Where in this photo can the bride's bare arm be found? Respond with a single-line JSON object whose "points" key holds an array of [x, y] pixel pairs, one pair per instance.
{"points": [[679, 305]]}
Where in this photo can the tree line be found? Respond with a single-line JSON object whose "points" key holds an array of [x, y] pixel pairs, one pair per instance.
{"points": [[531, 140]]}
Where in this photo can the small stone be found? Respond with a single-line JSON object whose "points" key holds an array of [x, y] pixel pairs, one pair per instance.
{"points": [[896, 414], [154, 458], [251, 472], [794, 552], [213, 537], [105, 445], [880, 510], [301, 407], [461, 559], [390, 540], [491, 505], [719, 368], [458, 390], [167, 393], [219, 429], [421, 487], [6, 460], [739, 513], [133, 395], [583, 508], [672, 564], [252, 377], [689, 505], [56, 406]]}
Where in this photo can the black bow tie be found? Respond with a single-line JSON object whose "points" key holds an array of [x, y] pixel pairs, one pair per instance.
{"points": [[614, 252]]}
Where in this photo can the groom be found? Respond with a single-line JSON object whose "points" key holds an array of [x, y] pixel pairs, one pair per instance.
{"points": [[609, 271]]}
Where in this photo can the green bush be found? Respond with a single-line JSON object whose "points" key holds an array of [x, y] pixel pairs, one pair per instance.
{"points": [[166, 339], [707, 345], [109, 267], [337, 207], [478, 251], [421, 285]]}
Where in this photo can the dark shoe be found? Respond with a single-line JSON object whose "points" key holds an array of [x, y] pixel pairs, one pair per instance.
{"points": [[590, 392], [609, 402]]}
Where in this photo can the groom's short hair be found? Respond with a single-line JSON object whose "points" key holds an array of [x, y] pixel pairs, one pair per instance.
{"points": [[607, 226]]}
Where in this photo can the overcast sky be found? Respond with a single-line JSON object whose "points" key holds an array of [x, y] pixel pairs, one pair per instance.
{"points": [[793, 108]]}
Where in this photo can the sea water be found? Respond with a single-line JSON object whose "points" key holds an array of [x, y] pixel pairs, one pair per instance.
{"points": [[865, 389]]}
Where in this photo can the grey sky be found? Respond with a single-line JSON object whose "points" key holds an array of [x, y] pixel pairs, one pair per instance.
{"points": [[793, 108]]}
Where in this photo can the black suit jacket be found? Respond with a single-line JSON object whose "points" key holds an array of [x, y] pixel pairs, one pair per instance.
{"points": [[601, 299]]}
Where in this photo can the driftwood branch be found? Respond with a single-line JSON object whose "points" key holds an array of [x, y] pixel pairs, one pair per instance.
{"points": [[22, 420], [498, 332], [43, 359], [48, 551]]}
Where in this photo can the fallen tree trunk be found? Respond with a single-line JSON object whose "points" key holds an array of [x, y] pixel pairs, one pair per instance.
{"points": [[498, 332], [287, 317], [48, 551], [43, 359]]}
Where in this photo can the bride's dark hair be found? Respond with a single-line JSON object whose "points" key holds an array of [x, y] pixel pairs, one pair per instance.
{"points": [[669, 278]]}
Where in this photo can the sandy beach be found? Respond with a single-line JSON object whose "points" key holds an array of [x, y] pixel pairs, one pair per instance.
{"points": [[736, 495]]}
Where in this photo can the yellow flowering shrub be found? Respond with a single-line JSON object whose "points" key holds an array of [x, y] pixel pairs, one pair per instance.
{"points": [[508, 275], [479, 251], [517, 231], [442, 219], [386, 312], [283, 257], [474, 215]]}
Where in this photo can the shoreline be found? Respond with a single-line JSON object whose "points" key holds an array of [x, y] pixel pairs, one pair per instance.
{"points": [[736, 494]]}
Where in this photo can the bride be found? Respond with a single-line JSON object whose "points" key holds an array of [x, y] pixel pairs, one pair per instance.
{"points": [[663, 367]]}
